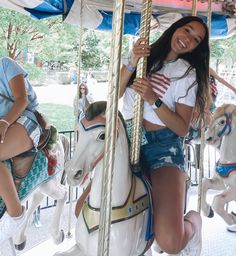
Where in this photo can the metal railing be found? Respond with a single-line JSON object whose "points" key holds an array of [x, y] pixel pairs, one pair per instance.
{"points": [[48, 202]]}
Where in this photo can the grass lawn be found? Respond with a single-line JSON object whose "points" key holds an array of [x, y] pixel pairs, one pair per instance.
{"points": [[61, 116]]}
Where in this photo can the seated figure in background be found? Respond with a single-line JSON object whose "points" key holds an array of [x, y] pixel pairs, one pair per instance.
{"points": [[19, 132]]}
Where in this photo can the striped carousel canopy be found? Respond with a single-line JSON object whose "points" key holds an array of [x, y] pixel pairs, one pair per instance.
{"points": [[98, 13]]}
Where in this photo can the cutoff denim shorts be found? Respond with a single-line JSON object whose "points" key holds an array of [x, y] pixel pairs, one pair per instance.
{"points": [[33, 129], [164, 148]]}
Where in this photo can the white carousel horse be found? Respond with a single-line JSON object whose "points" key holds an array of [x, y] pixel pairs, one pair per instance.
{"points": [[221, 134], [130, 200], [38, 184]]}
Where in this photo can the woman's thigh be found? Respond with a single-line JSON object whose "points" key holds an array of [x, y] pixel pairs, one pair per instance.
{"points": [[168, 191], [16, 141]]}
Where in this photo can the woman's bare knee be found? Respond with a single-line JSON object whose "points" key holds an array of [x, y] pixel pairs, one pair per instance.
{"points": [[16, 142], [2, 155], [170, 243]]}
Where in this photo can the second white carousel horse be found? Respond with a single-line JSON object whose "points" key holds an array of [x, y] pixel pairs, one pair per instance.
{"points": [[222, 133]]}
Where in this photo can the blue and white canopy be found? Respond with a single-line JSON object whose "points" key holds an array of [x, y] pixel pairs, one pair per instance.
{"points": [[97, 14]]}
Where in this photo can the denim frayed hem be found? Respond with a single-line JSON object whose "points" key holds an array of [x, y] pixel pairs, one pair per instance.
{"points": [[157, 166]]}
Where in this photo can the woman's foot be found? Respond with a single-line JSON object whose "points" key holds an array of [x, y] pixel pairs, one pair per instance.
{"points": [[9, 225], [194, 245]]}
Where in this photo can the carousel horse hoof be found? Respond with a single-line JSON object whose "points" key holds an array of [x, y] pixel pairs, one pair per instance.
{"points": [[211, 213], [73, 251], [20, 247], [232, 228], [60, 238]]}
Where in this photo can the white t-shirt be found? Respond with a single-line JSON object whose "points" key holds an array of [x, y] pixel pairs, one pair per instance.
{"points": [[169, 86]]}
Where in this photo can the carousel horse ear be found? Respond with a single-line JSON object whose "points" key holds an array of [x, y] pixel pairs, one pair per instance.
{"points": [[95, 109], [230, 108]]}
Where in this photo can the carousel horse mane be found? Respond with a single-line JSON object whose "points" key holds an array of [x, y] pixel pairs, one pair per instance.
{"points": [[95, 109], [220, 111], [99, 108]]}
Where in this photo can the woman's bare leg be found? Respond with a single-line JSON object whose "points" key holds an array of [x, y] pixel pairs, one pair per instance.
{"points": [[168, 191], [16, 141]]}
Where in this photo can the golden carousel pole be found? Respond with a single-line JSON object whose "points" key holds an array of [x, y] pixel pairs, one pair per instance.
{"points": [[111, 131], [76, 111], [141, 72], [202, 146], [79, 59], [194, 8]]}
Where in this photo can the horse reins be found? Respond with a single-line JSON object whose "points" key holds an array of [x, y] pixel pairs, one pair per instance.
{"points": [[227, 125]]}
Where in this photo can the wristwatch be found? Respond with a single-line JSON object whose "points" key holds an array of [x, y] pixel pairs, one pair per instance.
{"points": [[157, 103], [130, 68]]}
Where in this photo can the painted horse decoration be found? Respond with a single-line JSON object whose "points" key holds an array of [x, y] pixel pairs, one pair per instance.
{"points": [[221, 134], [31, 173], [130, 200]]}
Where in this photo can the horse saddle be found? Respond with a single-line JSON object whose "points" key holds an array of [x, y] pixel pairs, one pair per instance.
{"points": [[23, 162], [29, 170]]}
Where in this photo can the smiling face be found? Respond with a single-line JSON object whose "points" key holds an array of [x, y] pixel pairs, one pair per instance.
{"points": [[186, 38]]}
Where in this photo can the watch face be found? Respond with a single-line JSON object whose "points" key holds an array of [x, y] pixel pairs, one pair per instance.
{"points": [[158, 103]]}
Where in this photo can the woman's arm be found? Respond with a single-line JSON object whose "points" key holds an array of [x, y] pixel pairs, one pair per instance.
{"points": [[178, 121], [222, 81], [18, 88], [140, 49]]}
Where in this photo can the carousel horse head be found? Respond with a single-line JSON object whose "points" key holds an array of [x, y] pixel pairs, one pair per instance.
{"points": [[221, 124], [90, 145]]}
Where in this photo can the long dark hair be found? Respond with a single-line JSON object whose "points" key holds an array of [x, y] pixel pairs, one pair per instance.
{"points": [[86, 89], [198, 60]]}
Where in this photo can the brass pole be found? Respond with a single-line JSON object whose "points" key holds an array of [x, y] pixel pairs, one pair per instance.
{"points": [[194, 8], [111, 131], [141, 72], [202, 146], [69, 235]]}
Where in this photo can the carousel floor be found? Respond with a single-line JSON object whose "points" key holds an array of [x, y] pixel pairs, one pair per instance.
{"points": [[217, 240]]}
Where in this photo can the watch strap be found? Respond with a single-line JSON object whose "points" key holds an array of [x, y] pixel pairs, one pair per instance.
{"points": [[157, 103], [130, 68]]}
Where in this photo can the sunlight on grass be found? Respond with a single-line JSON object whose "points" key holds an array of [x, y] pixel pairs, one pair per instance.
{"points": [[61, 116]]}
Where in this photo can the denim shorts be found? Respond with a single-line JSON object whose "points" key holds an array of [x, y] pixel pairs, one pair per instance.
{"points": [[33, 129], [164, 148]]}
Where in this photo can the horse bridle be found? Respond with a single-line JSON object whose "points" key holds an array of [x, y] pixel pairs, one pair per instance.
{"points": [[90, 127], [227, 125]]}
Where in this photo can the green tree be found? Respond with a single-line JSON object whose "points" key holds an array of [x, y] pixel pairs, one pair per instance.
{"points": [[18, 32], [94, 55], [61, 44], [54, 41], [223, 50]]}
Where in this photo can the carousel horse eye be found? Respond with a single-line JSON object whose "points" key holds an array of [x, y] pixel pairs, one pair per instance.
{"points": [[101, 136], [78, 174], [222, 122], [209, 139]]}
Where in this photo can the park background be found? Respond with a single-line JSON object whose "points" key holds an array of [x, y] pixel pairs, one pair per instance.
{"points": [[48, 50]]}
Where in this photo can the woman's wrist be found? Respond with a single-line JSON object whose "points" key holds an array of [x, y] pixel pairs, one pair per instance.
{"points": [[130, 67], [156, 103], [5, 122]]}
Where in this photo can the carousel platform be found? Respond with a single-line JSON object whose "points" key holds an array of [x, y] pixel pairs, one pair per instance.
{"points": [[217, 241]]}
